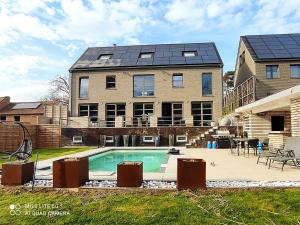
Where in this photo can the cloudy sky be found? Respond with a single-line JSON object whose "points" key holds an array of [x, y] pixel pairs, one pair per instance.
{"points": [[40, 39]]}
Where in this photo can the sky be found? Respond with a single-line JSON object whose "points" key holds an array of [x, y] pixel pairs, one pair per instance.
{"points": [[41, 39]]}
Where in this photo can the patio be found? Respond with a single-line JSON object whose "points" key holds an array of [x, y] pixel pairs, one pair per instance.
{"points": [[221, 165]]}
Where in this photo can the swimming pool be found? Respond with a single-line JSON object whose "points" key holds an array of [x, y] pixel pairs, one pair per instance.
{"points": [[107, 161]]}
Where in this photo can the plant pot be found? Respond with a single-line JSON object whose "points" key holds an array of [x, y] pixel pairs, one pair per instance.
{"points": [[130, 174], [191, 174], [70, 172], [17, 173]]}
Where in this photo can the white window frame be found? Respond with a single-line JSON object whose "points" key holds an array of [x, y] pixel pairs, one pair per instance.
{"points": [[146, 140], [109, 139], [181, 136], [77, 139]]}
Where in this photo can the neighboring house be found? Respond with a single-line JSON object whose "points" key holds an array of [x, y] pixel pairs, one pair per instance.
{"points": [[267, 86], [147, 85], [265, 65], [31, 112]]}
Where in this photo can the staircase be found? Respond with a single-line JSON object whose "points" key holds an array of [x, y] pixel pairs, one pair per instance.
{"points": [[200, 140]]}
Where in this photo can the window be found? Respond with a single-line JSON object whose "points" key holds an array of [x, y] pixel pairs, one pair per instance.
{"points": [[272, 72], [113, 110], [242, 58], [110, 82], [142, 109], [17, 118], [206, 84], [143, 85], [177, 80], [146, 55], [295, 71], [105, 56], [83, 87], [2, 118], [109, 139], [277, 123], [77, 139], [148, 139], [90, 110], [181, 138], [172, 113], [189, 53], [202, 113]]}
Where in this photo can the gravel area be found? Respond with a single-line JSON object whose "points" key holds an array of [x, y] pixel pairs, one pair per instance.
{"points": [[172, 184]]}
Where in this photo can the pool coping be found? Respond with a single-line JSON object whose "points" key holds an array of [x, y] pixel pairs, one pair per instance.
{"points": [[107, 175]]}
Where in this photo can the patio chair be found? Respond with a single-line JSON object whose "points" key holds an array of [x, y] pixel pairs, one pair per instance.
{"points": [[291, 153], [252, 143], [233, 144], [269, 152]]}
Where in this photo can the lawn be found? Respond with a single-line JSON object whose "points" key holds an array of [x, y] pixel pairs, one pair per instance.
{"points": [[48, 153], [263, 206]]}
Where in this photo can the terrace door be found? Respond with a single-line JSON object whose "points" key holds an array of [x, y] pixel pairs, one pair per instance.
{"points": [[113, 110], [171, 113]]}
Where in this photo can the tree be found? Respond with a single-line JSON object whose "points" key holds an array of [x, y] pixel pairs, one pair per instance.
{"points": [[59, 91], [228, 79]]}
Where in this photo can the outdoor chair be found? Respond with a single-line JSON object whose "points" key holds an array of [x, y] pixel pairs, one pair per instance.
{"points": [[253, 143], [233, 144], [291, 153], [269, 152]]}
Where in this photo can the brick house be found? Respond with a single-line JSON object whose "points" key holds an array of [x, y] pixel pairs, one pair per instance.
{"points": [[147, 85]]}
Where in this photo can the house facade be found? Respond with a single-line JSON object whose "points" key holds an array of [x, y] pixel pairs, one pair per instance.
{"points": [[267, 80], [147, 85]]}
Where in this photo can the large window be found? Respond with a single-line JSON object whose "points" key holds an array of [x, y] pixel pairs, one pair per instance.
{"points": [[202, 113], [206, 84], [277, 123], [113, 110], [295, 71], [143, 85], [83, 87], [110, 82], [272, 72], [90, 110], [2, 118], [177, 80]]}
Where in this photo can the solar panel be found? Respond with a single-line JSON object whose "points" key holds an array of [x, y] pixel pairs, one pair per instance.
{"points": [[27, 105]]}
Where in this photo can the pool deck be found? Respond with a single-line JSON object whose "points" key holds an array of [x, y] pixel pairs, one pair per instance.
{"points": [[220, 165]]}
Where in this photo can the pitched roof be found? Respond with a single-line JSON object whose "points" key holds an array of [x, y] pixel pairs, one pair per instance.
{"points": [[273, 47], [164, 55], [23, 108]]}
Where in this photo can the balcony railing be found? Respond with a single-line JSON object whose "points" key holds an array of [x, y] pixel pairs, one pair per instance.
{"points": [[241, 95]]}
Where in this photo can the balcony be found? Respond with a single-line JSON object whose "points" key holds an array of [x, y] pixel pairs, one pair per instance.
{"points": [[241, 95]]}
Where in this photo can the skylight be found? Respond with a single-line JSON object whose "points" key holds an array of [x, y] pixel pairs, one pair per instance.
{"points": [[105, 56], [146, 55], [189, 53]]}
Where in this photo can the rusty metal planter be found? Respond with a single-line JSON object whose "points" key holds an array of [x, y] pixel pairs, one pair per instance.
{"points": [[191, 174], [130, 174], [17, 173], [70, 172]]}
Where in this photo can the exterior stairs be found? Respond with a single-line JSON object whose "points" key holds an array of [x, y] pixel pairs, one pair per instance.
{"points": [[200, 141]]}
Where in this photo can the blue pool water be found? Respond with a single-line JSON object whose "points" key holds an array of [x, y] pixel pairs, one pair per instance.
{"points": [[152, 159]]}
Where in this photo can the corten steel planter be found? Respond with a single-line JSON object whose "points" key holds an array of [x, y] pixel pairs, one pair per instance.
{"points": [[17, 173], [70, 172], [191, 174], [130, 174]]}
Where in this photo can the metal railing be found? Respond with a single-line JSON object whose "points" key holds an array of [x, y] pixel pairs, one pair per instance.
{"points": [[241, 95]]}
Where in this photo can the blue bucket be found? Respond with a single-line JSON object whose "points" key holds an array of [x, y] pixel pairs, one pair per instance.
{"points": [[209, 145], [214, 145]]}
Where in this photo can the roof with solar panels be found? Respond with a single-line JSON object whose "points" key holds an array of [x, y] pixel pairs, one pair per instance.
{"points": [[273, 47], [160, 55]]}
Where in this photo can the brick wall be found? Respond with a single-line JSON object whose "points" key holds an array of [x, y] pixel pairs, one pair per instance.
{"points": [[295, 117]]}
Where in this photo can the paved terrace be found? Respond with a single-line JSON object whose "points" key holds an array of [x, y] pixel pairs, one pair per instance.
{"points": [[221, 165]]}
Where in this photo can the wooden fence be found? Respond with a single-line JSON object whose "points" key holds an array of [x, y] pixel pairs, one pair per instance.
{"points": [[43, 136]]}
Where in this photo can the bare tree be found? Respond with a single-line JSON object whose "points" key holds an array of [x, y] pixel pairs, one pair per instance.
{"points": [[59, 91]]}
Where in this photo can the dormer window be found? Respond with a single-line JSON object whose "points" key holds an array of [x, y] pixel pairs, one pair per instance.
{"points": [[189, 53], [146, 55], [105, 56]]}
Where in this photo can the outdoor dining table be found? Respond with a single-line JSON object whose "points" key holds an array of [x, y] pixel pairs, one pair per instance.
{"points": [[240, 141]]}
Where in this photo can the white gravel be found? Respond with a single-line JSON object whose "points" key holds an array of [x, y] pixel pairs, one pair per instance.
{"points": [[172, 185]]}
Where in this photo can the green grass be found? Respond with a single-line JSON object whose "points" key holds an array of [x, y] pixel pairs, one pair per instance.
{"points": [[264, 206], [48, 153]]}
